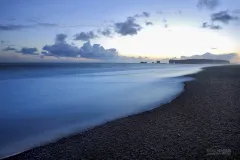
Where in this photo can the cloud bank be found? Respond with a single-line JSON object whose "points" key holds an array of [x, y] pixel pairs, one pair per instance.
{"points": [[62, 49], [227, 56]]}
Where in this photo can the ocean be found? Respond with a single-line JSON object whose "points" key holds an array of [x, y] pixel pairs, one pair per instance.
{"points": [[42, 102]]}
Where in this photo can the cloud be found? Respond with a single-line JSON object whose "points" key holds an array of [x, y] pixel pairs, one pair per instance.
{"points": [[223, 16], [208, 4], [97, 51], [142, 15], [9, 49], [106, 32], [211, 26], [85, 36], [216, 27], [129, 27], [26, 50], [146, 14], [13, 27], [60, 38], [63, 49], [205, 25], [48, 24], [149, 23], [227, 56]]}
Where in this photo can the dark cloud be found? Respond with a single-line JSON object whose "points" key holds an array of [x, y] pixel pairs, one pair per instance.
{"points": [[63, 49], [208, 4], [9, 49], [146, 14], [106, 32], [215, 27], [13, 27], [211, 26], [48, 24], [223, 16], [60, 38], [149, 23], [85, 36], [205, 25], [142, 15], [129, 27], [97, 51], [26, 50]]}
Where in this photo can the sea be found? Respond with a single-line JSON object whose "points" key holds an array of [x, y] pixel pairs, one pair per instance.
{"points": [[42, 102]]}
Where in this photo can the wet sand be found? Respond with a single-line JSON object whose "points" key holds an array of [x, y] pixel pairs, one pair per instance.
{"points": [[202, 123]]}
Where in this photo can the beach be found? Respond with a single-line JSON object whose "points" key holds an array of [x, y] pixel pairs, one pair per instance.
{"points": [[203, 122]]}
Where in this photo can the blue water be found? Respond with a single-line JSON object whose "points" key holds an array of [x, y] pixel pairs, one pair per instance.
{"points": [[43, 102]]}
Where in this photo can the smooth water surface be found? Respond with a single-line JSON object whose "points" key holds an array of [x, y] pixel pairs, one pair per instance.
{"points": [[42, 102]]}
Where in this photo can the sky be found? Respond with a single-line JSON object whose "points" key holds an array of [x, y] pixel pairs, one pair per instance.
{"points": [[119, 30]]}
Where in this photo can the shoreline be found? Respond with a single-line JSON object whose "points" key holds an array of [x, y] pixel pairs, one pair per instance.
{"points": [[83, 145]]}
